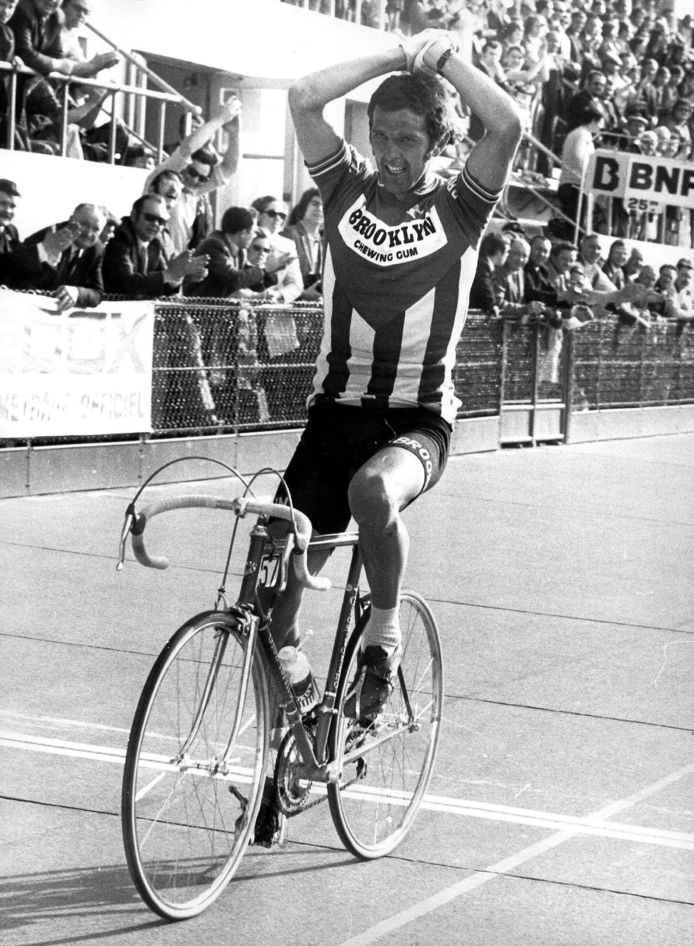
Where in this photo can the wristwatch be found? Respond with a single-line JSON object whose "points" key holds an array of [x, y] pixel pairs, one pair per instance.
{"points": [[443, 59]]}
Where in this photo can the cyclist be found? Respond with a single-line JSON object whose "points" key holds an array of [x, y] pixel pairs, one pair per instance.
{"points": [[400, 257]]}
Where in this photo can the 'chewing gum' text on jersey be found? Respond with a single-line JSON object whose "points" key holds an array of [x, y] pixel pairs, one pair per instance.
{"points": [[396, 282]]}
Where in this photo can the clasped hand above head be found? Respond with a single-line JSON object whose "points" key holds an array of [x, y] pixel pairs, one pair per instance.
{"points": [[424, 50]]}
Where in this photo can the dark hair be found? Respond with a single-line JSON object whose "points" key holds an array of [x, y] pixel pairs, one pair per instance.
{"points": [[424, 95], [164, 176], [262, 203], [236, 219], [557, 248], [141, 201], [204, 157], [302, 203], [491, 244], [587, 115]]}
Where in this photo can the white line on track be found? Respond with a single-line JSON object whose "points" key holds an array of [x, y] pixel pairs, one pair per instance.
{"points": [[440, 899], [596, 825]]}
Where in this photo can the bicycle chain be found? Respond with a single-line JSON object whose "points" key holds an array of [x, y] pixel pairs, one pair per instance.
{"points": [[282, 764]]}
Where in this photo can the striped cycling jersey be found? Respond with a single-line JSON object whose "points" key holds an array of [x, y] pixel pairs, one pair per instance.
{"points": [[396, 282]]}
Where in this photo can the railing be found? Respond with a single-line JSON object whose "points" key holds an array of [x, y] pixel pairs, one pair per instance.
{"points": [[226, 366], [131, 92]]}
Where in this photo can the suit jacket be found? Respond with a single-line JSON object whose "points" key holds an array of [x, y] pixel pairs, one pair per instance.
{"points": [[310, 272], [484, 293], [17, 260], [538, 287], [122, 267], [511, 288], [37, 38], [84, 272], [225, 273]]}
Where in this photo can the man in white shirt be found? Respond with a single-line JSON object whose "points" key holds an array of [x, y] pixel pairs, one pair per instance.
{"points": [[199, 177]]}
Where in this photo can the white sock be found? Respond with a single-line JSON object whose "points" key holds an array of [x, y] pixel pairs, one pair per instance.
{"points": [[383, 629]]}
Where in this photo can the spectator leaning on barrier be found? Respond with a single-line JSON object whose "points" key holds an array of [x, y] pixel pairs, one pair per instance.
{"points": [[510, 278], [484, 292], [19, 261], [135, 262], [589, 255], [617, 256], [74, 274], [284, 259], [681, 304], [200, 177], [306, 230], [226, 251]]}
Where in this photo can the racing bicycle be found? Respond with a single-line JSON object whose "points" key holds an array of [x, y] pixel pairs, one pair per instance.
{"points": [[198, 750]]}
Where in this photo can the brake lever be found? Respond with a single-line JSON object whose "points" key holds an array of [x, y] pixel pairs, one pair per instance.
{"points": [[125, 532]]}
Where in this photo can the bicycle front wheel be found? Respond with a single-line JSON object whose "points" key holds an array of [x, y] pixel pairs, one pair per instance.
{"points": [[385, 766], [190, 796]]}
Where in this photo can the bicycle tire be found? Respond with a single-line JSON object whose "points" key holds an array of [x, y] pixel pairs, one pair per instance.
{"points": [[187, 820], [381, 788]]}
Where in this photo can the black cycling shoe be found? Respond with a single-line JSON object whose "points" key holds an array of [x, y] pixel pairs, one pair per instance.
{"points": [[375, 681], [271, 824]]}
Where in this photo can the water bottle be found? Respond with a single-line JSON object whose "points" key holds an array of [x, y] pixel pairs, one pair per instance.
{"points": [[298, 671]]}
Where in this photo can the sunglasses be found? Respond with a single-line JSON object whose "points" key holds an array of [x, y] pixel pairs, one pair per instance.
{"points": [[152, 218], [275, 214], [195, 174], [260, 249]]}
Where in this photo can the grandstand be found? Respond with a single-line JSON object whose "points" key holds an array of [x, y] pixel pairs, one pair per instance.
{"points": [[178, 60]]}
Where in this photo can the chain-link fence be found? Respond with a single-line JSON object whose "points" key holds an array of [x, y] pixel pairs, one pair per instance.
{"points": [[230, 366]]}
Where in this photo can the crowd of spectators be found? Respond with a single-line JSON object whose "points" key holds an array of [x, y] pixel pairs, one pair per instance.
{"points": [[609, 68], [548, 279]]}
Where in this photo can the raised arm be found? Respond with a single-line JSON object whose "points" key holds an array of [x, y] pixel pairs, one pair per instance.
{"points": [[309, 96], [490, 160]]}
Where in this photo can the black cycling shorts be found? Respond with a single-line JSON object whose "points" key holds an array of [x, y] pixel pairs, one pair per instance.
{"points": [[339, 439]]}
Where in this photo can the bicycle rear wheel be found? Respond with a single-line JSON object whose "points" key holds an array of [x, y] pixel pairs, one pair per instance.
{"points": [[188, 802], [386, 765]]}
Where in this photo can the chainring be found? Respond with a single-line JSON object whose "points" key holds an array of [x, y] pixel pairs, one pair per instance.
{"points": [[292, 793]]}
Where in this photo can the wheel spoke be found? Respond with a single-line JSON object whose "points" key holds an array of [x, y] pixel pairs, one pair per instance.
{"points": [[186, 822]]}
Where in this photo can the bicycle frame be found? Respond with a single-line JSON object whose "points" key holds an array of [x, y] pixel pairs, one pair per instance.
{"points": [[263, 550]]}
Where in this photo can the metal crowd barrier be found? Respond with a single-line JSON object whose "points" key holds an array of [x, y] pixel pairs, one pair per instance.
{"points": [[237, 367]]}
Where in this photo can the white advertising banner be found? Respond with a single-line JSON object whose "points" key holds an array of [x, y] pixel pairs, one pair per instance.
{"points": [[637, 177], [83, 371]]}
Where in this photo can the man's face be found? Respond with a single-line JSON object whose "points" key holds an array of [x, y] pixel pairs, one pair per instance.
{"points": [[539, 252], [649, 69], [563, 260], [244, 239], [591, 250], [76, 13], [684, 277], [170, 189], [273, 217], [44, 7], [7, 8], [7, 208], [150, 220], [258, 250], [596, 85], [197, 173], [667, 277], [618, 255], [402, 148], [91, 222], [517, 257]]}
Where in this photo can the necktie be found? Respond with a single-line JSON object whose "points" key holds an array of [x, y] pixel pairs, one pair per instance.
{"points": [[66, 267], [144, 259]]}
